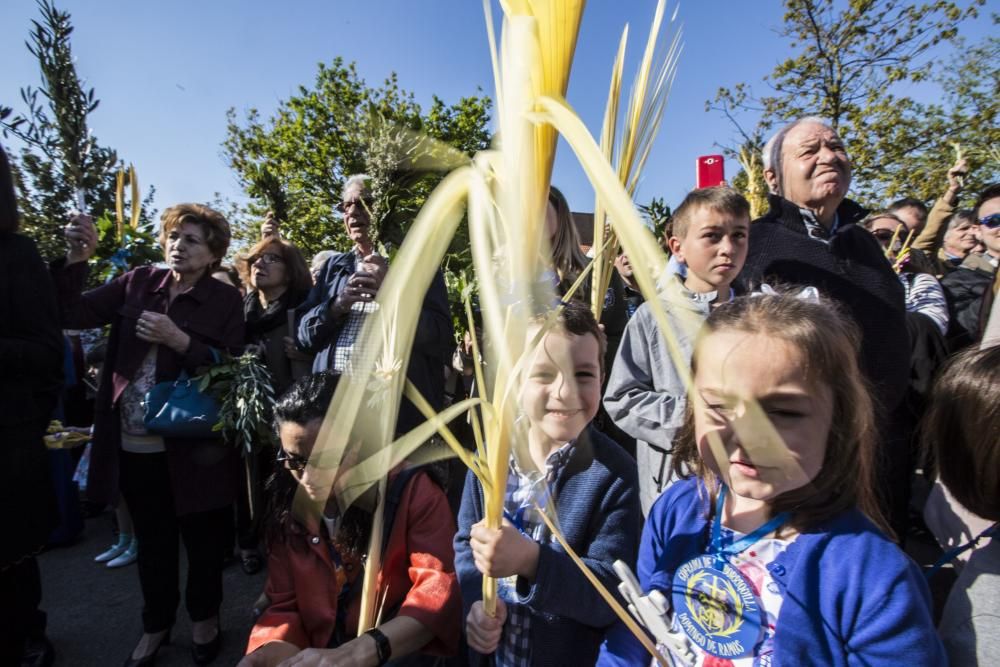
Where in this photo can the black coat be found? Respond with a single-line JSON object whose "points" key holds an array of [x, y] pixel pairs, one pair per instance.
{"points": [[966, 289], [851, 269], [31, 376]]}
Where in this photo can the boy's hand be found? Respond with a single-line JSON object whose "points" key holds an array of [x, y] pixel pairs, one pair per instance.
{"points": [[482, 631], [503, 552]]}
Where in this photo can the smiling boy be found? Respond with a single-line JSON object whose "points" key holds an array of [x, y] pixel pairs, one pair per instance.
{"points": [[646, 395], [547, 612]]}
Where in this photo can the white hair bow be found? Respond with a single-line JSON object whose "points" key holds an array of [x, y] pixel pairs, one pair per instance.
{"points": [[809, 293]]}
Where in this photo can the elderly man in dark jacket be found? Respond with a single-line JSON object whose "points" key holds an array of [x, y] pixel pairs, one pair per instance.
{"points": [[331, 318], [809, 237]]}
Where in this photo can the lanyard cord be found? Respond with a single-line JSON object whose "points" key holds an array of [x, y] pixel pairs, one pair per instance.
{"points": [[746, 541], [954, 553]]}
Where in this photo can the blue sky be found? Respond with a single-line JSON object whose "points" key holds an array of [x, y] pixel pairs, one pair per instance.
{"points": [[167, 71]]}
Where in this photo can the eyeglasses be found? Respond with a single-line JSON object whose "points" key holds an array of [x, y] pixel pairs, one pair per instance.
{"points": [[883, 234], [365, 202], [292, 462], [268, 258], [991, 221]]}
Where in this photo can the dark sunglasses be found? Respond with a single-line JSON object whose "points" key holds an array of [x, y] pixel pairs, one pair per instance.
{"points": [[991, 221], [292, 462]]}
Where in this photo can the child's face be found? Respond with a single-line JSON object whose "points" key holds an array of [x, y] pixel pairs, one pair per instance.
{"points": [[758, 462], [563, 387], [714, 248]]}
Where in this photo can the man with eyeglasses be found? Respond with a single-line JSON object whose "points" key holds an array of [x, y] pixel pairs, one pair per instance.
{"points": [[331, 318], [970, 288]]}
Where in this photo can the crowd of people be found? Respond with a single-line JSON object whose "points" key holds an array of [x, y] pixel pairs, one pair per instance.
{"points": [[745, 485]]}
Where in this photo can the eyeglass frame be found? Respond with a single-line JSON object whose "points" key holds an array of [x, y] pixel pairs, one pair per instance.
{"points": [[278, 259], [299, 463], [291, 462], [367, 202]]}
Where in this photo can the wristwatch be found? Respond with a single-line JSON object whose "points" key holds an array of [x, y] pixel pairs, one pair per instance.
{"points": [[382, 645]]}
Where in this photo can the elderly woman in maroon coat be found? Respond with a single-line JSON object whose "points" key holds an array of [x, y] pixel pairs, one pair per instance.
{"points": [[163, 321]]}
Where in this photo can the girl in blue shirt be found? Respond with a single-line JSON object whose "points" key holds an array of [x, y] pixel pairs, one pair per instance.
{"points": [[772, 551]]}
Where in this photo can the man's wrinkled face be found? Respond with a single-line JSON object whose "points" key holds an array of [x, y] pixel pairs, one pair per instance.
{"points": [[815, 169], [357, 215], [961, 238]]}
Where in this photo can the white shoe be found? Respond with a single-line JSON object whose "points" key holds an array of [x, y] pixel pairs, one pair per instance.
{"points": [[115, 550], [127, 557]]}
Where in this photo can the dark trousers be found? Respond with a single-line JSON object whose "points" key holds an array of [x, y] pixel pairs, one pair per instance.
{"points": [[20, 618], [145, 485]]}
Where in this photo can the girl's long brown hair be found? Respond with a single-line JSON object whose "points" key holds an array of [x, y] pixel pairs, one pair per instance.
{"points": [[830, 344]]}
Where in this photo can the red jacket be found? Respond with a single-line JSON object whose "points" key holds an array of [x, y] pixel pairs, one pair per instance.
{"points": [[417, 576]]}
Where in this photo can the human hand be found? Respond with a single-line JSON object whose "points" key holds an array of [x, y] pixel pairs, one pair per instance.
{"points": [[504, 551], [160, 329], [956, 176], [271, 227], [482, 631], [360, 288], [359, 652], [81, 237], [269, 655], [292, 352], [376, 267]]}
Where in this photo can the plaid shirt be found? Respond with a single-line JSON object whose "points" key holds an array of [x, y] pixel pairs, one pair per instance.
{"points": [[524, 490], [348, 347]]}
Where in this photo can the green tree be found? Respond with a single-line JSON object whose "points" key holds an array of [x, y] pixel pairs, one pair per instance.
{"points": [[59, 156], [658, 214], [295, 162], [854, 63]]}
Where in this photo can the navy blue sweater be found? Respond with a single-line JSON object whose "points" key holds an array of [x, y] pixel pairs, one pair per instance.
{"points": [[851, 597], [597, 504]]}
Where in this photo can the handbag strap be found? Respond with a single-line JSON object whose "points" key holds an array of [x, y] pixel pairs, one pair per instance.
{"points": [[216, 359]]}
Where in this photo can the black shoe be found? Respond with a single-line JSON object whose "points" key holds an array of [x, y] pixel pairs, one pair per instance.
{"points": [[251, 562], [148, 660], [38, 652], [207, 652]]}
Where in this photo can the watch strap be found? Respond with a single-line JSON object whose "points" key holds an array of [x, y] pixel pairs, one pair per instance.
{"points": [[382, 645]]}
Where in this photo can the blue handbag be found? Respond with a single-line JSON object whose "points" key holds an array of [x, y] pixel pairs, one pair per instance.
{"points": [[179, 409]]}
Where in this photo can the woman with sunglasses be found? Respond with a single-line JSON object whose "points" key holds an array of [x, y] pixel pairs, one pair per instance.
{"points": [[923, 292], [969, 288], [316, 562], [278, 278]]}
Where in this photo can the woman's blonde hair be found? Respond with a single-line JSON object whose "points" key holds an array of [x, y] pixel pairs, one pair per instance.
{"points": [[212, 223], [829, 343]]}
